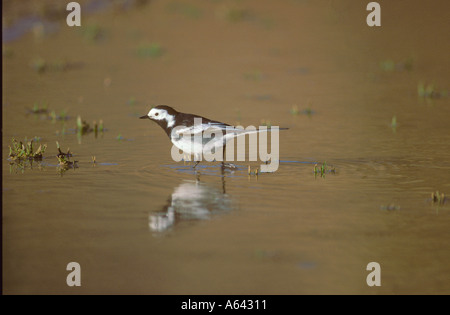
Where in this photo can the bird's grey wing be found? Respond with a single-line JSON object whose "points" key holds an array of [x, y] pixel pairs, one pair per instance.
{"points": [[200, 128], [215, 126]]}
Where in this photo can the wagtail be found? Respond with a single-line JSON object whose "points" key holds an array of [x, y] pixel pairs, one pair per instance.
{"points": [[186, 130]]}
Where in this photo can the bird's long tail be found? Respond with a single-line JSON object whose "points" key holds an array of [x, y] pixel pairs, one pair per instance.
{"points": [[236, 132]]}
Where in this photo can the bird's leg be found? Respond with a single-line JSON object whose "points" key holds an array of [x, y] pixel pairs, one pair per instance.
{"points": [[223, 157], [223, 180], [196, 163], [227, 165]]}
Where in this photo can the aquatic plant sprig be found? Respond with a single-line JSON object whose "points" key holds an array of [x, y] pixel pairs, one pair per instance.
{"points": [[266, 122], [255, 172], [20, 151], [62, 116], [152, 50], [44, 112], [323, 169], [39, 109], [60, 153], [430, 91], [41, 65], [93, 32], [84, 128], [438, 198], [307, 111], [65, 162], [390, 65], [255, 75], [64, 158]]}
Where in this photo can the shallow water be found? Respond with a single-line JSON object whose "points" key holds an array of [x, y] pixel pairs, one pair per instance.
{"points": [[137, 222]]}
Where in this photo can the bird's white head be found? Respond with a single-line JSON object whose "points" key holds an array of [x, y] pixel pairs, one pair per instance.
{"points": [[161, 114]]}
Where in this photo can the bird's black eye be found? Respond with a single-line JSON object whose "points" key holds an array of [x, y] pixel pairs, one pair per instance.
{"points": [[156, 114]]}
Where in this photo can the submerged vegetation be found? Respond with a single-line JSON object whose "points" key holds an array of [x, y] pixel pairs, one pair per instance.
{"points": [[394, 124], [93, 32], [39, 109], [266, 122], [438, 198], [307, 111], [40, 65], [394, 121], [430, 91], [132, 101], [255, 75], [81, 128], [255, 172], [62, 154], [323, 169], [24, 151], [22, 154], [84, 128], [43, 110], [390, 65], [152, 50], [62, 115], [65, 163]]}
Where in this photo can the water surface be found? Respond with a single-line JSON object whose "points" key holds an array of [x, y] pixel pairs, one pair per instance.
{"points": [[137, 222]]}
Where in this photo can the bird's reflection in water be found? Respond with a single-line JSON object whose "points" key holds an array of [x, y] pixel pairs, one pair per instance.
{"points": [[191, 200]]}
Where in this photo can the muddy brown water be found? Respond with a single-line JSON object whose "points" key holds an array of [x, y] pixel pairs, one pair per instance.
{"points": [[137, 222]]}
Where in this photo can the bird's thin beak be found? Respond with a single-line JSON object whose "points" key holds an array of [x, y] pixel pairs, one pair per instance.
{"points": [[144, 117]]}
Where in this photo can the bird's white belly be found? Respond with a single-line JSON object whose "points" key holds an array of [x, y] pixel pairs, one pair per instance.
{"points": [[185, 146], [197, 146]]}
